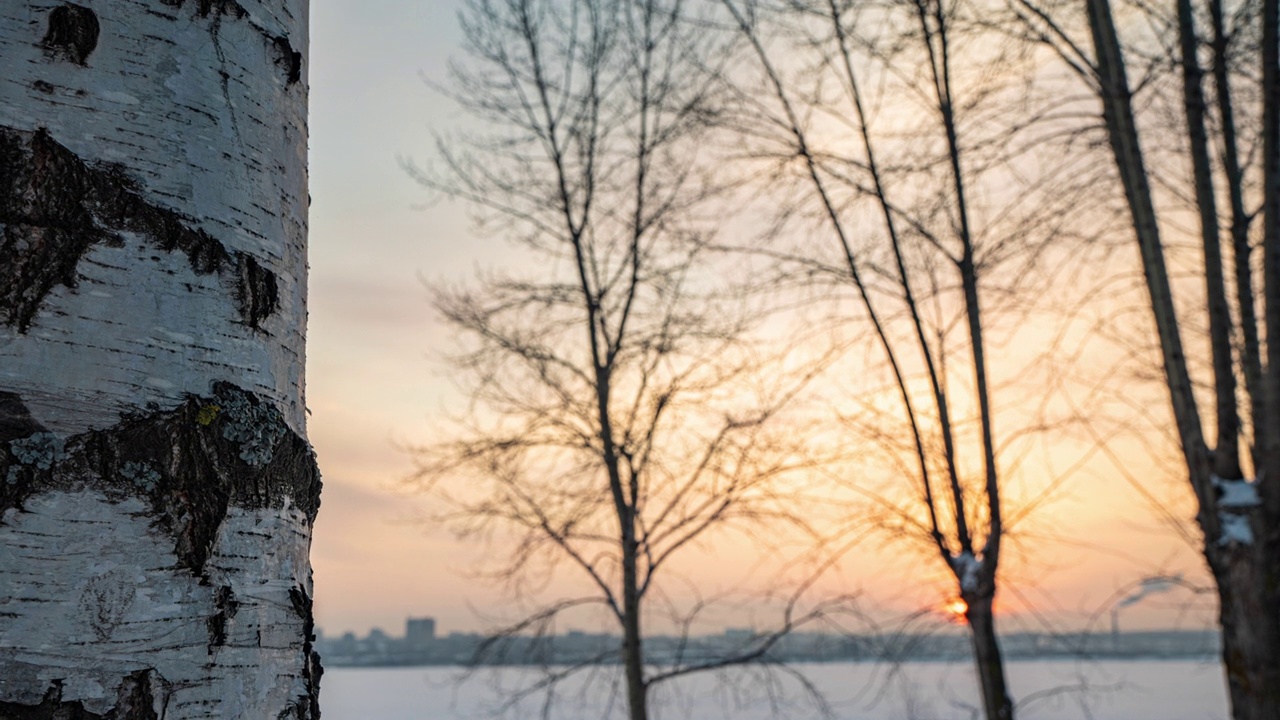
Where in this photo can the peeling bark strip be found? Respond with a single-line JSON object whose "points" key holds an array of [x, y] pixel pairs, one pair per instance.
{"points": [[72, 35], [54, 207], [191, 464]]}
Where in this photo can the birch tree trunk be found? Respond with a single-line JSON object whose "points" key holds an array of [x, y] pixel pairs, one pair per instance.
{"points": [[157, 491]]}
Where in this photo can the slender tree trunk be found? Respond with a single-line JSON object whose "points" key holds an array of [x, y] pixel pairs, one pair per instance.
{"points": [[632, 650], [1226, 456], [1117, 111], [624, 508], [157, 492], [1250, 634], [982, 623], [1239, 543], [1250, 349], [1248, 574], [990, 666], [986, 656], [1269, 438]]}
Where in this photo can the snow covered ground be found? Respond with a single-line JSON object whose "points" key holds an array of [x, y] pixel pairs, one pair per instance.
{"points": [[1048, 690]]}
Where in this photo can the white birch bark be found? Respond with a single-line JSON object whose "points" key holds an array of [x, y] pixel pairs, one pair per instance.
{"points": [[156, 490]]}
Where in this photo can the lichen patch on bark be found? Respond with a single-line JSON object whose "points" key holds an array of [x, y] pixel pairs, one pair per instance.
{"points": [[191, 464], [54, 207]]}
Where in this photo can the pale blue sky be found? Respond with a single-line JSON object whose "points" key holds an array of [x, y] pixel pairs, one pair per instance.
{"points": [[371, 379]]}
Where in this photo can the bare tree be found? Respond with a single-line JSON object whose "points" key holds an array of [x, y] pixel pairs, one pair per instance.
{"points": [[956, 111], [1230, 154], [157, 491], [621, 413]]}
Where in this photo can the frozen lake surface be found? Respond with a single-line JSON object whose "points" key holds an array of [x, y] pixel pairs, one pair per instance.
{"points": [[1045, 690]]}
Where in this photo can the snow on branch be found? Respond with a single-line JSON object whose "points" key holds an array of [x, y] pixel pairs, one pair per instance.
{"points": [[1237, 493]]}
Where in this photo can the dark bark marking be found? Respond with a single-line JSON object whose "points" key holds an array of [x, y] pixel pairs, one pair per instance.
{"points": [[306, 707], [51, 707], [191, 464], [257, 291], [216, 8], [224, 599], [205, 8], [72, 34], [15, 419], [290, 59], [48, 223], [54, 207], [134, 701]]}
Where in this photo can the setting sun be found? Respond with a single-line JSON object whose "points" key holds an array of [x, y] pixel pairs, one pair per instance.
{"points": [[955, 610]]}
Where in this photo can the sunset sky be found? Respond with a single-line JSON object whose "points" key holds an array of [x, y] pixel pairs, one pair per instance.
{"points": [[377, 383]]}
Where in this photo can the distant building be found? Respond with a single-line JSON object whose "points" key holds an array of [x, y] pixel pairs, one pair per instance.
{"points": [[347, 645], [377, 643], [420, 633]]}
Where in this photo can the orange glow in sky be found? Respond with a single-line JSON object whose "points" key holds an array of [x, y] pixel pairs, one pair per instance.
{"points": [[955, 609], [376, 386]]}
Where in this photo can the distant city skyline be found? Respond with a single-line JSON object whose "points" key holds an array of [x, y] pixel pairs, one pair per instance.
{"points": [[420, 645]]}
